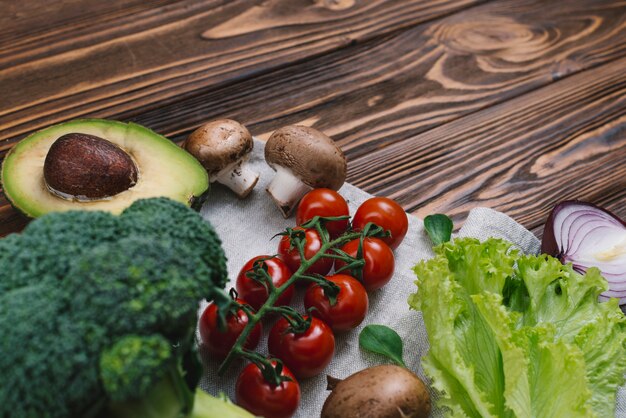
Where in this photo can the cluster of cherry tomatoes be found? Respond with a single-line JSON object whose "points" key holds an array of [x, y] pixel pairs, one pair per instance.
{"points": [[307, 352]]}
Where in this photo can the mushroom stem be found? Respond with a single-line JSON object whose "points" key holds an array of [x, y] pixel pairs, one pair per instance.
{"points": [[286, 189], [239, 178], [332, 382]]}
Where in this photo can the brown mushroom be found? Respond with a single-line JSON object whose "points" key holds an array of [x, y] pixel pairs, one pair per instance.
{"points": [[386, 391], [304, 159], [223, 148]]}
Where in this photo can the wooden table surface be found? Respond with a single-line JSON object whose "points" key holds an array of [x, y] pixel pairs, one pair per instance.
{"points": [[443, 105]]}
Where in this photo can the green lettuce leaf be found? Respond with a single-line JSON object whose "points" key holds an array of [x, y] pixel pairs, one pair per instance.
{"points": [[569, 301], [532, 361], [515, 336]]}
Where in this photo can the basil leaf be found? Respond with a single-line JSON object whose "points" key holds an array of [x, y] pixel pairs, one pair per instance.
{"points": [[383, 340], [439, 228]]}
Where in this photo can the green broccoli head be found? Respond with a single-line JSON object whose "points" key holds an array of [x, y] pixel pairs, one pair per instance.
{"points": [[163, 217], [142, 284], [48, 247], [133, 365], [47, 362], [87, 295], [10, 280]]}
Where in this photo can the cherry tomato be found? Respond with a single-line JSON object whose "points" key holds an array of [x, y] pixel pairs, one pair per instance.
{"points": [[379, 262], [305, 354], [254, 292], [261, 398], [324, 202], [350, 307], [385, 213], [219, 343], [312, 246]]}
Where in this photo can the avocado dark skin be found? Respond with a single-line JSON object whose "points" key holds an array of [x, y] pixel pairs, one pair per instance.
{"points": [[85, 167]]}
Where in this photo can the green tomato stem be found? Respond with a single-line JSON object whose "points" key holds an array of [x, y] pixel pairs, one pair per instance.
{"points": [[276, 292]]}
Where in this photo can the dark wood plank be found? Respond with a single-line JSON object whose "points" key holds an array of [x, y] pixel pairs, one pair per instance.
{"points": [[11, 220], [564, 141], [28, 20], [392, 88], [161, 54], [613, 199], [31, 30], [385, 92]]}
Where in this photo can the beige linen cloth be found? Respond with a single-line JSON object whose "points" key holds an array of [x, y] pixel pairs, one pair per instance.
{"points": [[246, 228]]}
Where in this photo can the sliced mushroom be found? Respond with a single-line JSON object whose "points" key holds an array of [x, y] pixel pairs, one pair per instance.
{"points": [[223, 148], [304, 159]]}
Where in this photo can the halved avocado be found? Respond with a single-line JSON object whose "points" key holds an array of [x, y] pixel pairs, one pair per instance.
{"points": [[164, 169]]}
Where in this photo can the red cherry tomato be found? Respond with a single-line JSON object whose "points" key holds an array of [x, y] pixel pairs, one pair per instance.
{"points": [[324, 202], [219, 343], [254, 292], [305, 354], [261, 398], [385, 213], [312, 246], [350, 307], [379, 262]]}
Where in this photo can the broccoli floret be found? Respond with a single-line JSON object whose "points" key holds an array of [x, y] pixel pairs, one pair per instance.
{"points": [[142, 284], [7, 252], [133, 365], [42, 351], [163, 217], [98, 312], [48, 247]]}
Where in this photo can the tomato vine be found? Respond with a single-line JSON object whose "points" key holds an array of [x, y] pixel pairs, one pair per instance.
{"points": [[272, 368]]}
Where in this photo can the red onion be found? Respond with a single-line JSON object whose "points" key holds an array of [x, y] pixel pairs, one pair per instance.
{"points": [[587, 236]]}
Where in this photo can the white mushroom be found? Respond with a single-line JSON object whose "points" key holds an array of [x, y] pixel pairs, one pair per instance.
{"points": [[223, 148], [304, 159]]}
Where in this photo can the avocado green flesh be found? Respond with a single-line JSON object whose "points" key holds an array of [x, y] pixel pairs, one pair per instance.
{"points": [[164, 168]]}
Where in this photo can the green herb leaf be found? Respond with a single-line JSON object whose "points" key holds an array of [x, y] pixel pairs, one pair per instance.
{"points": [[439, 228], [382, 340]]}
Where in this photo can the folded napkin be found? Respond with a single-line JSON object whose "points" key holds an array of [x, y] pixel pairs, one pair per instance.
{"points": [[246, 228]]}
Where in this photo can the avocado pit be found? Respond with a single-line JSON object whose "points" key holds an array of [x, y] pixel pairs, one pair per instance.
{"points": [[86, 167]]}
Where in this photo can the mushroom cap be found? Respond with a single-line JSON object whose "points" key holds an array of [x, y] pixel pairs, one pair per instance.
{"points": [[311, 155], [219, 143]]}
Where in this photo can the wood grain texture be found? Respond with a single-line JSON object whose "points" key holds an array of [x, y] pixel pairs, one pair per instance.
{"points": [[564, 141], [377, 98], [391, 88], [156, 56], [422, 96]]}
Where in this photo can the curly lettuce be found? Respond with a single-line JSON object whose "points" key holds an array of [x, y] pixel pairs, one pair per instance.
{"points": [[518, 336]]}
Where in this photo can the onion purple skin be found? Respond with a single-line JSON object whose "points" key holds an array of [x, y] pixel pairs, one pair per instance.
{"points": [[550, 246]]}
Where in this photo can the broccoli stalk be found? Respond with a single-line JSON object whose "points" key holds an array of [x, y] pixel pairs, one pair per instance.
{"points": [[172, 398], [168, 398], [144, 376], [206, 406]]}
